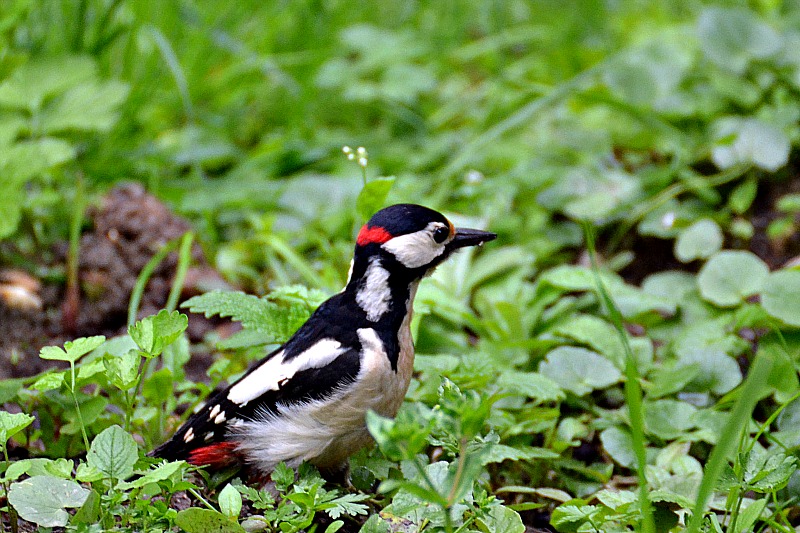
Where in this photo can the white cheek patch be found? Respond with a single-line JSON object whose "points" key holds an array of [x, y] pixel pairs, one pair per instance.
{"points": [[373, 294], [416, 249], [275, 371]]}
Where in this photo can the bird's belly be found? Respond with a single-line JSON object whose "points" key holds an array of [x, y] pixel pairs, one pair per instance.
{"points": [[326, 432]]}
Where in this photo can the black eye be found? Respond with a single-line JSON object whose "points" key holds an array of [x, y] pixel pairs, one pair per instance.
{"points": [[440, 234]]}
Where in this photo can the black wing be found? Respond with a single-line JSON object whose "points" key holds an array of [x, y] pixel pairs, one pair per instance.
{"points": [[212, 423]]}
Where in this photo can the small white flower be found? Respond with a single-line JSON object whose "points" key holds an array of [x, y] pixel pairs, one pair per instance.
{"points": [[362, 152], [347, 150], [668, 219], [362, 161]]}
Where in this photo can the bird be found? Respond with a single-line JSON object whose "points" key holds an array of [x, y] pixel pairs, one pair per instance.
{"points": [[308, 399]]}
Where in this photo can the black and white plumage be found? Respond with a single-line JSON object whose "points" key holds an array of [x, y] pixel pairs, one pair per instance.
{"points": [[308, 399]]}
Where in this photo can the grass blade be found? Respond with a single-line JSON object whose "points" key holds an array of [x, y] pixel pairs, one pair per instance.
{"points": [[633, 391]]}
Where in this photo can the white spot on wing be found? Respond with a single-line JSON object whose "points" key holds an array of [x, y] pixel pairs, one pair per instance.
{"points": [[189, 437], [373, 294], [269, 375], [416, 249], [213, 412], [220, 418]]}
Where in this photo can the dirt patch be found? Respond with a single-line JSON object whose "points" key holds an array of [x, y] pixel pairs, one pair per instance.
{"points": [[128, 228]]}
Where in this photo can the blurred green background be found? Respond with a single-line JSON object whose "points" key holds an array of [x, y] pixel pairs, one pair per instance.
{"points": [[529, 115]]}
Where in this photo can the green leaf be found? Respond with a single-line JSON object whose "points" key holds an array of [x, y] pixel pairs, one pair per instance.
{"points": [[741, 198], [530, 384], [718, 372], [153, 333], [160, 473], [32, 83], [733, 37], [699, 241], [230, 501], [402, 437], [89, 107], [113, 452], [276, 322], [122, 370], [749, 141], [579, 370], [619, 445], [74, 349], [196, 520], [373, 196], [16, 469], [729, 277], [766, 472], [668, 419], [89, 513], [749, 515], [11, 424], [43, 499], [501, 518], [781, 296]]}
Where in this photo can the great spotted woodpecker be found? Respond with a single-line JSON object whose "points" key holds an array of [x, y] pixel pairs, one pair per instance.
{"points": [[307, 400]]}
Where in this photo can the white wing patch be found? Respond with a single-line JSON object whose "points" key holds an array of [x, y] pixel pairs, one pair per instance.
{"points": [[373, 294], [415, 249], [271, 374]]}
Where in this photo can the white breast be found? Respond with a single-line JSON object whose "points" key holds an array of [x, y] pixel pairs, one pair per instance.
{"points": [[327, 432]]}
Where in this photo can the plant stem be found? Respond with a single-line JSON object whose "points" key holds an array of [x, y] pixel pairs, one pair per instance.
{"points": [[77, 407], [184, 259]]}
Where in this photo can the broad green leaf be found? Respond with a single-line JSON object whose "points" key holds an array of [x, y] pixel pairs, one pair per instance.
{"points": [[376, 524], [530, 384], [733, 37], [27, 159], [501, 518], [43, 499], [230, 501], [565, 515], [579, 370], [781, 296], [153, 333], [32, 83], [11, 424], [699, 241], [196, 520], [113, 452], [619, 445], [16, 469], [595, 333], [373, 196], [718, 373], [89, 513], [90, 106], [750, 141], [729, 277], [668, 419], [73, 350], [576, 278]]}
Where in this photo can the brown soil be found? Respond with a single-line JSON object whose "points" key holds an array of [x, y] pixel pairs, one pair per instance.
{"points": [[128, 227]]}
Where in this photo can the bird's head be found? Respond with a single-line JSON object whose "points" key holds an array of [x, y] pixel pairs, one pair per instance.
{"points": [[412, 240]]}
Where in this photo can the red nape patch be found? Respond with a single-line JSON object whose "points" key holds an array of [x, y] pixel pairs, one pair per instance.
{"points": [[217, 455], [370, 235]]}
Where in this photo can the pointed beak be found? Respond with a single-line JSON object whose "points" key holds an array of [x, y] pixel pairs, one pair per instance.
{"points": [[470, 237]]}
